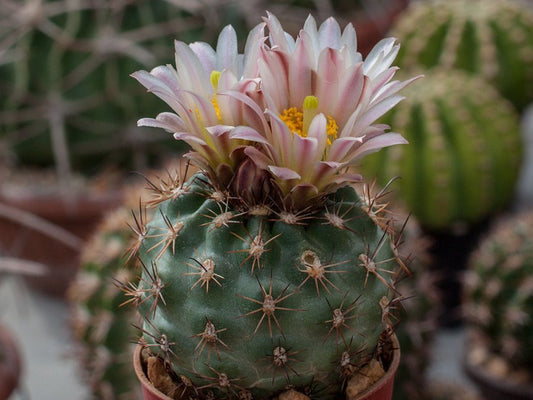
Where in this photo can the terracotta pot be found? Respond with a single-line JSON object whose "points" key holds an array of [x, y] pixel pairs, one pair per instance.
{"points": [[495, 388], [381, 390], [10, 364], [50, 230]]}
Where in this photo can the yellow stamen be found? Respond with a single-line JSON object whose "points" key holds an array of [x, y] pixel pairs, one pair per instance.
{"points": [[298, 121], [217, 108], [214, 78]]}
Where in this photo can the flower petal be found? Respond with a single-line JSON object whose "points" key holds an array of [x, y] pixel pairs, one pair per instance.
{"points": [[283, 173]]}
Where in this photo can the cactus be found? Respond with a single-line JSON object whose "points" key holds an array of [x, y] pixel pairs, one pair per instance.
{"points": [[490, 38], [68, 101], [266, 270], [498, 295], [101, 328], [465, 151], [265, 299]]}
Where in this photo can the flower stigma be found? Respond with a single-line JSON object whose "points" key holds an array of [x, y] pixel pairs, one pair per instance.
{"points": [[214, 78], [299, 121]]}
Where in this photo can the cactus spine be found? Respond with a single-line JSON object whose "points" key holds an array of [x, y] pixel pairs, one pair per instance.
{"points": [[498, 298], [490, 38], [465, 151]]}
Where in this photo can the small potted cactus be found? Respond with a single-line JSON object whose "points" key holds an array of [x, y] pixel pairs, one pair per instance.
{"points": [[266, 274], [498, 305]]}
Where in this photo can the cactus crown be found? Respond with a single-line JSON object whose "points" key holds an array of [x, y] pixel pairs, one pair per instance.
{"points": [[499, 290], [267, 270]]}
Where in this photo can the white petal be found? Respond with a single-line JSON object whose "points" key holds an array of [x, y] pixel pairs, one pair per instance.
{"points": [[206, 55], [329, 34], [227, 50]]}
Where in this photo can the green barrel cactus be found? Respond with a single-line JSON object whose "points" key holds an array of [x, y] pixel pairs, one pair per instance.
{"points": [[465, 151], [102, 329], [266, 271], [498, 295], [64, 71], [489, 38]]}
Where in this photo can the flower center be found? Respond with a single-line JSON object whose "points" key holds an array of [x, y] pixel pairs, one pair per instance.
{"points": [[298, 121]]}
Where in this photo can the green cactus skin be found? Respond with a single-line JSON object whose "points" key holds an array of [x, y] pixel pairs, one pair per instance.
{"points": [[489, 38], [498, 295], [102, 329], [251, 301], [65, 72], [465, 151]]}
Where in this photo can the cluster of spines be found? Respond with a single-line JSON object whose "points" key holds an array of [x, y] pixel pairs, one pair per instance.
{"points": [[492, 39], [498, 298], [229, 211]]}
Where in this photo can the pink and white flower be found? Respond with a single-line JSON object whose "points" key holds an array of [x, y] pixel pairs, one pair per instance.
{"points": [[302, 110], [201, 118], [318, 101]]}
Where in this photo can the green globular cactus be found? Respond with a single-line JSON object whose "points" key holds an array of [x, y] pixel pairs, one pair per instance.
{"points": [[490, 38], [102, 329], [249, 301], [465, 151], [498, 295]]}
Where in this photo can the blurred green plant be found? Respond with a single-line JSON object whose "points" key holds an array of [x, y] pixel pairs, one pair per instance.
{"points": [[68, 100], [489, 38], [464, 156]]}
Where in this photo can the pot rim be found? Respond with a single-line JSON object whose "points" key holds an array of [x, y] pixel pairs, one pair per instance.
{"points": [[493, 383], [376, 387]]}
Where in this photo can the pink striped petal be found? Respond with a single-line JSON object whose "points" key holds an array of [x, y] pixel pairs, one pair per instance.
{"points": [[283, 173]]}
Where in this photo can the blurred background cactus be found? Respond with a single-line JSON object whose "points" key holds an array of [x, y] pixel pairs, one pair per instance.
{"points": [[498, 301], [490, 38], [464, 156], [64, 71], [102, 329], [421, 309]]}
